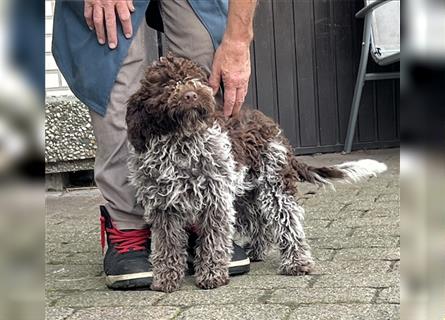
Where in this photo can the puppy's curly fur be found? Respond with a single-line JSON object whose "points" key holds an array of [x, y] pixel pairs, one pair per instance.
{"points": [[192, 166]]}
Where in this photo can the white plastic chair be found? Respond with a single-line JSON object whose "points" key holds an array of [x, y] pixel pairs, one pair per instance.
{"points": [[381, 38]]}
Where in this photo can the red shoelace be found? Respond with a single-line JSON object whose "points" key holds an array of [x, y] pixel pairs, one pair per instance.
{"points": [[124, 240]]}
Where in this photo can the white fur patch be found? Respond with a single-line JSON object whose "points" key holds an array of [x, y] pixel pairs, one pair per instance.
{"points": [[357, 170], [187, 173], [278, 208]]}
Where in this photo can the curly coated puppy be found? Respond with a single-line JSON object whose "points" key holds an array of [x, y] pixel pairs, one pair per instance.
{"points": [[192, 166]]}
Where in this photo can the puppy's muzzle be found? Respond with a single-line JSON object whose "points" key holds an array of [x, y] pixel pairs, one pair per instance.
{"points": [[190, 96]]}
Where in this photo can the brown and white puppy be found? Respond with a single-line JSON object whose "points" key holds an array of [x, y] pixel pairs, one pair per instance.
{"points": [[192, 166]]}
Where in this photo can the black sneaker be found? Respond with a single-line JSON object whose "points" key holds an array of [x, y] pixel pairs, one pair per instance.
{"points": [[239, 264], [126, 263]]}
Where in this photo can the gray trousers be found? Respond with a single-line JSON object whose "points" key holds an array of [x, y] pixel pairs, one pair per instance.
{"points": [[187, 37]]}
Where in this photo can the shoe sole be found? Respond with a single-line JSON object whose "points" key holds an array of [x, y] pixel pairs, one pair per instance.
{"points": [[129, 281], [144, 279], [235, 267], [239, 267]]}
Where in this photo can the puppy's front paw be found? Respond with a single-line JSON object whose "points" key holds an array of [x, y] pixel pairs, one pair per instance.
{"points": [[297, 269], [212, 279], [166, 282]]}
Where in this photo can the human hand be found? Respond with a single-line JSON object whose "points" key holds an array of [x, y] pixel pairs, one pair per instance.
{"points": [[100, 16], [231, 64]]}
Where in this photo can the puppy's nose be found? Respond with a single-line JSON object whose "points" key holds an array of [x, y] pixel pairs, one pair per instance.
{"points": [[190, 96]]}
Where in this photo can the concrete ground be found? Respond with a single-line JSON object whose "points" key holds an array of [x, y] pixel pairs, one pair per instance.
{"points": [[354, 233]]}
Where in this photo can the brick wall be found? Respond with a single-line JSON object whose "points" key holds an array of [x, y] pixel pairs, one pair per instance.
{"points": [[54, 82]]}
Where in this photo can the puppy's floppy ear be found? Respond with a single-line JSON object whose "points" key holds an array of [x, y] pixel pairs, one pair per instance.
{"points": [[147, 117], [138, 122]]}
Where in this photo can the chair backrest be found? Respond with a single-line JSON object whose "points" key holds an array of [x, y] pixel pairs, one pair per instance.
{"points": [[385, 29]]}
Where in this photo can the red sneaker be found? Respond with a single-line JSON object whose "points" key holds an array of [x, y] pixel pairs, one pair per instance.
{"points": [[126, 262]]}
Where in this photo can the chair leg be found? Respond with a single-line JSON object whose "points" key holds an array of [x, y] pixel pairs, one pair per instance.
{"points": [[354, 111], [358, 86]]}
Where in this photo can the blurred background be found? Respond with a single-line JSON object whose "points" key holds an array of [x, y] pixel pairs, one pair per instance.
{"points": [[423, 159], [21, 159], [422, 130]]}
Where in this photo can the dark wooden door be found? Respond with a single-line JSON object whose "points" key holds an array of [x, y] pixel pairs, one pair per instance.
{"points": [[305, 57]]}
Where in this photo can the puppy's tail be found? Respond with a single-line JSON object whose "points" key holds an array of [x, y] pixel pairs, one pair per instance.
{"points": [[352, 171]]}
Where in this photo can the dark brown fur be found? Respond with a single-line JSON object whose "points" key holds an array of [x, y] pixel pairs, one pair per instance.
{"points": [[250, 133], [151, 111]]}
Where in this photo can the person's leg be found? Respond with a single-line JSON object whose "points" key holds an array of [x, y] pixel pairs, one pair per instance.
{"points": [[185, 35], [126, 262], [111, 171]]}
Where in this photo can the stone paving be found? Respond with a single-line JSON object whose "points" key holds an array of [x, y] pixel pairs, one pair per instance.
{"points": [[354, 233]]}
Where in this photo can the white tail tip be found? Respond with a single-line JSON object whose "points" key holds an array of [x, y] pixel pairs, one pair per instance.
{"points": [[357, 170]]}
